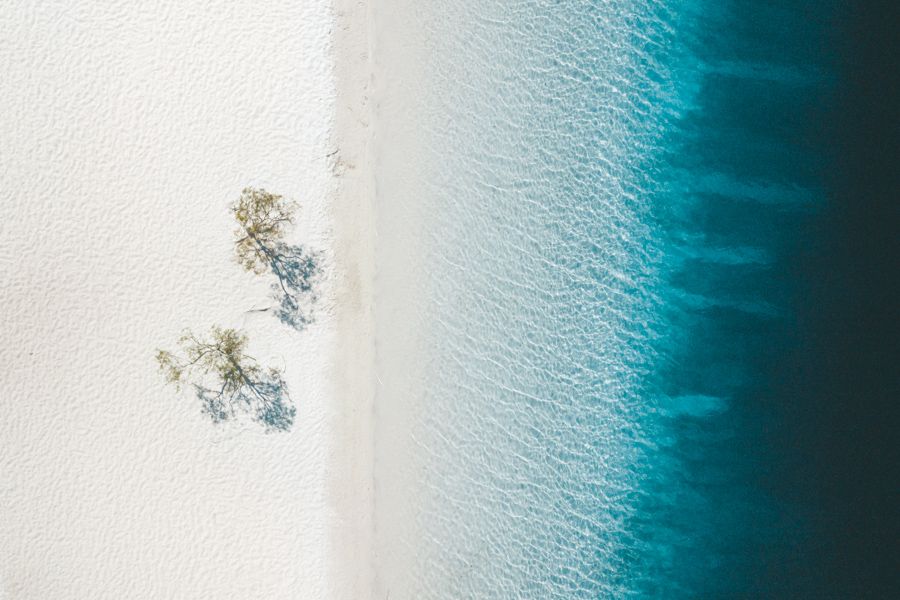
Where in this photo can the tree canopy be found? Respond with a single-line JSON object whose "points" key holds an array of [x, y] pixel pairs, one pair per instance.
{"points": [[263, 220], [227, 380]]}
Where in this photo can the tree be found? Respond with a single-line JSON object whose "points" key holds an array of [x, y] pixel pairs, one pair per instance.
{"points": [[264, 219], [227, 380]]}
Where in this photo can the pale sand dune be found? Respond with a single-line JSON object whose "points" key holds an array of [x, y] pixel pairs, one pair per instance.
{"points": [[125, 130]]}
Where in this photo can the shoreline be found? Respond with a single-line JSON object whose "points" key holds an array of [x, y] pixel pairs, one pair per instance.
{"points": [[351, 462]]}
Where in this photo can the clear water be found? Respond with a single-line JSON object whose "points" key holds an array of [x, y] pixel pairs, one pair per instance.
{"points": [[593, 201]]}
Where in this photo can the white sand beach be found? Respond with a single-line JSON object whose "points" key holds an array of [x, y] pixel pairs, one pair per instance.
{"points": [[126, 129]]}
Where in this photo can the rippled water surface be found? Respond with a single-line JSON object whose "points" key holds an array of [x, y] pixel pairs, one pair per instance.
{"points": [[594, 200]]}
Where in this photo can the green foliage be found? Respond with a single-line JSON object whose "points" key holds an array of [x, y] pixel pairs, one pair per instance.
{"points": [[224, 377], [227, 380], [170, 368], [263, 219]]}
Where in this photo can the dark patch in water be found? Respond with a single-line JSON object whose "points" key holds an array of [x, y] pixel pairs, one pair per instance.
{"points": [[791, 492], [843, 375]]}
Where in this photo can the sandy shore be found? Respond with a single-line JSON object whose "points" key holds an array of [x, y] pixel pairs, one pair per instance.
{"points": [[125, 131], [352, 531]]}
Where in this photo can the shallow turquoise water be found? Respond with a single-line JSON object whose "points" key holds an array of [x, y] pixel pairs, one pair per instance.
{"points": [[607, 192]]}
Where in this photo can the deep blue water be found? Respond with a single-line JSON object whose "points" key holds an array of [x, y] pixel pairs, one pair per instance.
{"points": [[651, 333]]}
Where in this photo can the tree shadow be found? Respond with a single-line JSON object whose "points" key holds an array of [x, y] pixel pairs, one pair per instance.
{"points": [[296, 270], [265, 399]]}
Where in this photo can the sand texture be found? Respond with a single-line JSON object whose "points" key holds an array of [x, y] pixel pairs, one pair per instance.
{"points": [[125, 130]]}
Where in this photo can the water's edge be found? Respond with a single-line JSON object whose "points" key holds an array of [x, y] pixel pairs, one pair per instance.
{"points": [[602, 236]]}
